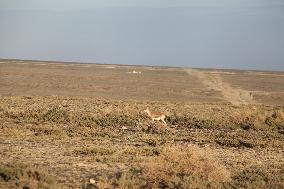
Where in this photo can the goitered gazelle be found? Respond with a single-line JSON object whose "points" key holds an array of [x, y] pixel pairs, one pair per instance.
{"points": [[159, 116]]}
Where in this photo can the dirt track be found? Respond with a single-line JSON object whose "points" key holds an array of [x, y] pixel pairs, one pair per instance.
{"points": [[214, 81]]}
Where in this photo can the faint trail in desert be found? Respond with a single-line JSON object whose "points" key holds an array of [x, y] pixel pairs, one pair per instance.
{"points": [[215, 82]]}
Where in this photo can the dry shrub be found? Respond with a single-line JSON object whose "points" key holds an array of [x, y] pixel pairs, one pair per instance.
{"points": [[238, 140], [131, 151], [249, 117], [83, 119], [188, 121], [260, 176], [151, 140], [234, 143], [15, 115], [40, 130], [55, 114], [189, 167], [151, 127], [124, 180], [96, 151], [262, 119], [276, 121], [17, 175], [116, 120]]}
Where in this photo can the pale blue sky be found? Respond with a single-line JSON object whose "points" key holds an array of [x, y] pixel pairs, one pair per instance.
{"points": [[90, 4], [243, 34]]}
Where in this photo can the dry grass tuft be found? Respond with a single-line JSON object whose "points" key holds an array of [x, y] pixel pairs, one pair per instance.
{"points": [[185, 167]]}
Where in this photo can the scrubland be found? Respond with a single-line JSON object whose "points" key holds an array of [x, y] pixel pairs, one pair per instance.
{"points": [[78, 139], [105, 140]]}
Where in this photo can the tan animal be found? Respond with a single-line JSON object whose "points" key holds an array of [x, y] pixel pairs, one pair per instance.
{"points": [[159, 116]]}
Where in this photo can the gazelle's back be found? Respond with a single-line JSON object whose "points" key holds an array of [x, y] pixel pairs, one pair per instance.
{"points": [[155, 114], [158, 114]]}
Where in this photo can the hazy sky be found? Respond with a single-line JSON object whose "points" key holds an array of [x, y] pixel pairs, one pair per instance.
{"points": [[244, 34], [90, 4]]}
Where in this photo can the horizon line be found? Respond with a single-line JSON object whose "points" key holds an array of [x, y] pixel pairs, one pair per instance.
{"points": [[137, 65]]}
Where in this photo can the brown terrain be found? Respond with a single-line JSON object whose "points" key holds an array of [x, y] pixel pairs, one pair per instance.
{"points": [[71, 125]]}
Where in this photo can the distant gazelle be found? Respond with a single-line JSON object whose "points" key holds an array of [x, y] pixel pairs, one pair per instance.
{"points": [[251, 95], [159, 116]]}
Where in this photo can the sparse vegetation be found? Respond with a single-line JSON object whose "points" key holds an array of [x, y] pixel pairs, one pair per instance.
{"points": [[147, 154], [95, 134], [17, 175]]}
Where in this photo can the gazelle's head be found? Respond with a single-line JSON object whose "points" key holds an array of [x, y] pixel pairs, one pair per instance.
{"points": [[147, 110]]}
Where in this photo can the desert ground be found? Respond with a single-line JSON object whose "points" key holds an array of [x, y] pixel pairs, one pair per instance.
{"points": [[72, 125]]}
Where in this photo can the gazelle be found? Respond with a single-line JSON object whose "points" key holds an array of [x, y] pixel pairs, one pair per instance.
{"points": [[159, 116]]}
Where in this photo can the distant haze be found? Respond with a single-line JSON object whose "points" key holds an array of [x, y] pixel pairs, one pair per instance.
{"points": [[238, 34]]}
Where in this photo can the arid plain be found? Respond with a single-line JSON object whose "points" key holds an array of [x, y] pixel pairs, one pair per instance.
{"points": [[71, 125]]}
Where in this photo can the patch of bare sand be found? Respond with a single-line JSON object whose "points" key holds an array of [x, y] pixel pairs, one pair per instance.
{"points": [[265, 74], [215, 82]]}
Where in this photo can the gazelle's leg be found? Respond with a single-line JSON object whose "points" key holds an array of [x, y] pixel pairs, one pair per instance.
{"points": [[153, 119], [164, 121]]}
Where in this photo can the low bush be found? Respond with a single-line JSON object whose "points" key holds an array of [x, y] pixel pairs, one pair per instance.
{"points": [[17, 175], [116, 120], [259, 176], [55, 114]]}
